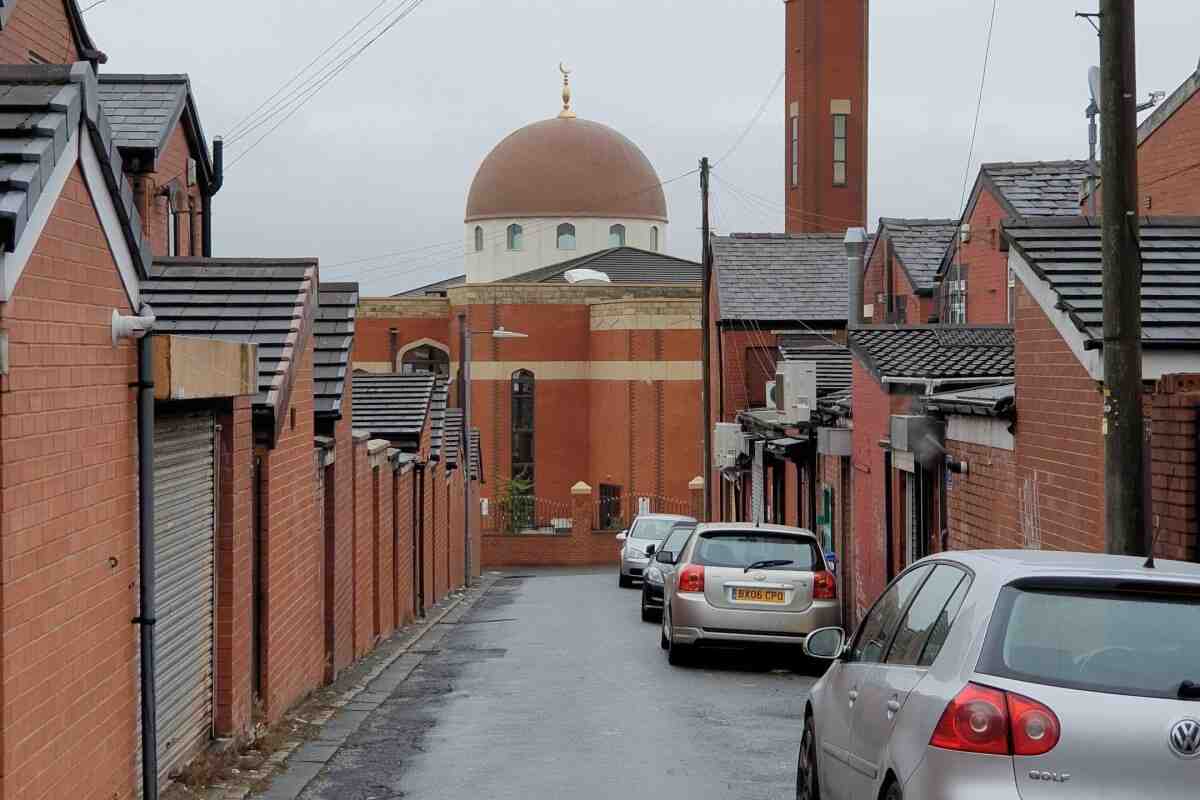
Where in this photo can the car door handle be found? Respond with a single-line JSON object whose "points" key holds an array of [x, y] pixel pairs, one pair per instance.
{"points": [[853, 695], [893, 706]]}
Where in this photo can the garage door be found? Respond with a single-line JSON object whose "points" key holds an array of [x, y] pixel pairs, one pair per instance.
{"points": [[184, 534]]}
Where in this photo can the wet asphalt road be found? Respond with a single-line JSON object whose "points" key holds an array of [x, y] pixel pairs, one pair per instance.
{"points": [[552, 686]]}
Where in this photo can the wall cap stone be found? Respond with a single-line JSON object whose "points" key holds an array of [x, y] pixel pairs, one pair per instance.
{"points": [[696, 483], [581, 488]]}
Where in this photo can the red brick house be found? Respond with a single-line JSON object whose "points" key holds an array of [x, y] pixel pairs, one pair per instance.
{"points": [[45, 32], [1169, 153], [901, 268], [974, 284]]}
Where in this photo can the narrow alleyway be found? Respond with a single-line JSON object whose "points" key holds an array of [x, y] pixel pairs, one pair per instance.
{"points": [[553, 686]]}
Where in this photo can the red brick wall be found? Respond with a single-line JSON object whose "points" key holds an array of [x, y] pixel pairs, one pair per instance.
{"points": [[982, 505], [826, 46], [363, 545], [294, 639], [69, 477], [739, 349], [341, 528], [385, 575], [1060, 451], [918, 309], [456, 533], [172, 166], [235, 612], [1169, 163], [403, 520], [41, 26], [441, 534], [1175, 405], [987, 264], [580, 547], [372, 342], [428, 491]]}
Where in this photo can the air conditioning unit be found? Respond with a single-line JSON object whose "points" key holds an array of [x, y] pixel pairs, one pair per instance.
{"points": [[922, 436], [727, 444], [772, 401], [796, 391], [834, 442]]}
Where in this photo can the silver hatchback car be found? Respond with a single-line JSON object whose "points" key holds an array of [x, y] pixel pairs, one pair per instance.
{"points": [[740, 583], [1012, 675], [639, 543]]}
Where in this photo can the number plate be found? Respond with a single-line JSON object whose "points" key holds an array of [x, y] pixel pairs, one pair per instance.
{"points": [[758, 595]]}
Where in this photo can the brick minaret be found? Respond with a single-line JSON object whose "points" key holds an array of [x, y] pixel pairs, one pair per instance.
{"points": [[825, 143]]}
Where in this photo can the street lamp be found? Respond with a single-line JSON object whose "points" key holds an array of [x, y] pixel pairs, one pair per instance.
{"points": [[465, 387]]}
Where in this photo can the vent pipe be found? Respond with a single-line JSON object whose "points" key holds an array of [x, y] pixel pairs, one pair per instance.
{"points": [[206, 196], [856, 247]]}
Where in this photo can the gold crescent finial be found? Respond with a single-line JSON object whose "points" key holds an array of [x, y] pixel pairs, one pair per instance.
{"points": [[566, 112]]}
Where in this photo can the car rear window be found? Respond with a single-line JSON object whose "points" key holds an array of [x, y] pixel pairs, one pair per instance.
{"points": [[742, 548], [654, 530], [1143, 643]]}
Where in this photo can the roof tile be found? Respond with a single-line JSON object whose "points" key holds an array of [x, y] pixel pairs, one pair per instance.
{"points": [[780, 276], [334, 332], [932, 352], [393, 406]]}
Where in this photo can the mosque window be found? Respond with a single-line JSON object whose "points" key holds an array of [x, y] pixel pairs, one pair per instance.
{"points": [[654, 238], [522, 426], [839, 149], [515, 234], [566, 236], [616, 236], [426, 358], [478, 238]]}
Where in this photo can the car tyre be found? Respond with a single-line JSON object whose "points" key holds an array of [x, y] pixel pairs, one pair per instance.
{"points": [[678, 655], [808, 782], [649, 614], [624, 582], [893, 792], [663, 641]]}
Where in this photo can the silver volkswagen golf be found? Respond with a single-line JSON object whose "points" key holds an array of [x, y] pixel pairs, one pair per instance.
{"points": [[1012, 675], [737, 583]]}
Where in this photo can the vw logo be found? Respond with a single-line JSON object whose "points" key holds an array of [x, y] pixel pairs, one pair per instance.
{"points": [[1185, 738]]}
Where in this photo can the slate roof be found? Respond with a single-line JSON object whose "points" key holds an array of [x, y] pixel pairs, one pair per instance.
{"points": [[1037, 188], [988, 401], [453, 437], [392, 406], [933, 352], [143, 111], [476, 456], [834, 362], [1065, 253], [437, 417], [622, 265], [40, 111], [334, 332], [919, 246], [780, 276], [270, 302], [435, 288]]}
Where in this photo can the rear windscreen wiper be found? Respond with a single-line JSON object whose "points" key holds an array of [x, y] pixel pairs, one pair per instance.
{"points": [[773, 562], [1189, 691]]}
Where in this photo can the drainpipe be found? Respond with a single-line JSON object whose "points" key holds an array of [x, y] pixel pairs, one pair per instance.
{"points": [[206, 196], [393, 349], [136, 327], [887, 514], [856, 246]]}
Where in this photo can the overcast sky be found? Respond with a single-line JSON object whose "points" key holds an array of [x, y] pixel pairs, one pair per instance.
{"points": [[380, 160]]}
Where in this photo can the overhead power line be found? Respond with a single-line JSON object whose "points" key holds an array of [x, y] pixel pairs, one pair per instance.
{"points": [[987, 51], [754, 120]]}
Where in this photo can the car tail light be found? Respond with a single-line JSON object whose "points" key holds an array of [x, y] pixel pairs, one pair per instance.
{"points": [[1035, 728], [691, 578], [985, 720], [824, 586]]}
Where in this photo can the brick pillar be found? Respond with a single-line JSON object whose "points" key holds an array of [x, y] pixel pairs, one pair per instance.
{"points": [[696, 491], [581, 509]]}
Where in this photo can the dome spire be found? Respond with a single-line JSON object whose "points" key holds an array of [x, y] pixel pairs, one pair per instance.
{"points": [[566, 112]]}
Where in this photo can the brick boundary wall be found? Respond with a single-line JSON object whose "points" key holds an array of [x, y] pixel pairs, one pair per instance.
{"points": [[583, 546], [1175, 405], [982, 505], [235, 527], [363, 535]]}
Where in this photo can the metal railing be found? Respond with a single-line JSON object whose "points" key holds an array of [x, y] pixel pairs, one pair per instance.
{"points": [[530, 514], [619, 513]]}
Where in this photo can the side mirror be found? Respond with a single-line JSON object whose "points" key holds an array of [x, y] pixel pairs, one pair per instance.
{"points": [[825, 643], [664, 557], [651, 549], [622, 536]]}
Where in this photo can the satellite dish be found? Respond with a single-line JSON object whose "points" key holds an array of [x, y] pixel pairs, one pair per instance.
{"points": [[586, 277], [1094, 85]]}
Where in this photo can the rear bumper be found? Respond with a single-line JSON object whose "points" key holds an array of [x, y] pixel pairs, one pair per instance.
{"points": [[947, 775], [694, 621]]}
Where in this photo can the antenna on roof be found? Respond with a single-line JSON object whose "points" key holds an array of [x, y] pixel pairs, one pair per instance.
{"points": [[1093, 111]]}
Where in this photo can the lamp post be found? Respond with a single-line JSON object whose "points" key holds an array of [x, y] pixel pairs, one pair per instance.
{"points": [[465, 403]]}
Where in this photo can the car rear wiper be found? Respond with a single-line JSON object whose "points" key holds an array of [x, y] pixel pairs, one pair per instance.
{"points": [[770, 562], [1188, 690]]}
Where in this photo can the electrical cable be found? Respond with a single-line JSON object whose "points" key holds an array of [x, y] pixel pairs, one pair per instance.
{"points": [[987, 51], [754, 120]]}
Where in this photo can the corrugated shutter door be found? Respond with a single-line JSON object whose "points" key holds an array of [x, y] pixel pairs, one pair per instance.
{"points": [[184, 538]]}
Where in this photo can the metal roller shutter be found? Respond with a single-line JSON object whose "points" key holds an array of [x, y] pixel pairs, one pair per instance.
{"points": [[184, 538]]}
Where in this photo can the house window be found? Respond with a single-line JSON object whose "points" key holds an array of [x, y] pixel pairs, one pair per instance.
{"points": [[566, 236], [522, 426], [515, 234], [654, 238], [426, 358], [616, 236], [795, 150], [839, 149], [956, 295], [478, 238]]}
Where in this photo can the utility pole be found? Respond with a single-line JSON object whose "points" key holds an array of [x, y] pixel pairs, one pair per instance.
{"points": [[1124, 479], [705, 321], [464, 454]]}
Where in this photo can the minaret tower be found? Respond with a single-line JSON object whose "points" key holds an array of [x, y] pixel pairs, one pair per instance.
{"points": [[825, 96]]}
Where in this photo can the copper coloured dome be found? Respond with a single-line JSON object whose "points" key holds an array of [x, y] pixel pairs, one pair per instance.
{"points": [[566, 167]]}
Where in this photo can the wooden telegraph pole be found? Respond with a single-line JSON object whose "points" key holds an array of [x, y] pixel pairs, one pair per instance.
{"points": [[705, 321], [1124, 510]]}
